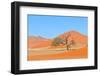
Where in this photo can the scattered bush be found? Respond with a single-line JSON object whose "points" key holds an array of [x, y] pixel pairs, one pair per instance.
{"points": [[57, 41]]}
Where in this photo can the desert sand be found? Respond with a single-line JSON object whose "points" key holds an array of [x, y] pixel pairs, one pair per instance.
{"points": [[52, 55], [40, 48]]}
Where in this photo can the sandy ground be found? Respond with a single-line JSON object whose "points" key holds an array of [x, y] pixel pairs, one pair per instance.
{"points": [[58, 53]]}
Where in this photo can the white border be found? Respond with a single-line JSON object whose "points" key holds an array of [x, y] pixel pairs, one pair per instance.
{"points": [[26, 65]]}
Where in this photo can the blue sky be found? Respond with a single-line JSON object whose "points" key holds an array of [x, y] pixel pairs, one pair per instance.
{"points": [[52, 26]]}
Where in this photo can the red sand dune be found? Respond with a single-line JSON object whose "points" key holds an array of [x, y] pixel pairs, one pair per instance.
{"points": [[76, 36], [41, 44], [38, 42]]}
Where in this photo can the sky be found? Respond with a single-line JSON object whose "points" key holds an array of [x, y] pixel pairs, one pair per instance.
{"points": [[51, 26]]}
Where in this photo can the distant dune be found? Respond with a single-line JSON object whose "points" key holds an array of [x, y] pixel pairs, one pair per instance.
{"points": [[38, 42]]}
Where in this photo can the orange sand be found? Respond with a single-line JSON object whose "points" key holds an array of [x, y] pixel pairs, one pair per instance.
{"points": [[71, 54], [41, 44]]}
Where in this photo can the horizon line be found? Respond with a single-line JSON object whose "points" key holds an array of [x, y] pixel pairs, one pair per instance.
{"points": [[57, 35]]}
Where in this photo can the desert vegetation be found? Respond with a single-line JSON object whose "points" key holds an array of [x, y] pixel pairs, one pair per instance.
{"points": [[64, 41]]}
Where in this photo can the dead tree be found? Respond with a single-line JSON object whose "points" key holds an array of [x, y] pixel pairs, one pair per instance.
{"points": [[72, 42], [67, 41]]}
